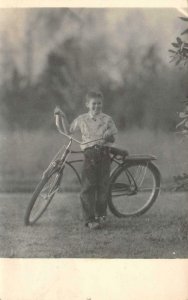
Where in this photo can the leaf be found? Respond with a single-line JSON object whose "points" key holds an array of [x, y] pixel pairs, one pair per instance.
{"points": [[175, 45], [184, 19], [172, 51], [178, 61], [173, 59], [185, 50], [184, 32], [179, 40]]}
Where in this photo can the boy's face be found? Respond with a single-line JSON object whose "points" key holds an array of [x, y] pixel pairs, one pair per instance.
{"points": [[95, 106]]}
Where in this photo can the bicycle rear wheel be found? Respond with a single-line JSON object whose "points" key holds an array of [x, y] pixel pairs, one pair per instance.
{"points": [[42, 197], [134, 187]]}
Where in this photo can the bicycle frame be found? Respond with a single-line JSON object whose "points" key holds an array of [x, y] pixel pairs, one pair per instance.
{"points": [[59, 164], [120, 162]]}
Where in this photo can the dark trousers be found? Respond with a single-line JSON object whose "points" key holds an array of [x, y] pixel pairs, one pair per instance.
{"points": [[95, 182]]}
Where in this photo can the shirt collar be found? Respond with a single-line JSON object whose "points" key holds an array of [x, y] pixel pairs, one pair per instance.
{"points": [[94, 117]]}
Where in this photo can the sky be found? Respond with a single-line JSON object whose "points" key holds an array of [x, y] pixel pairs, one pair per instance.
{"points": [[137, 26]]}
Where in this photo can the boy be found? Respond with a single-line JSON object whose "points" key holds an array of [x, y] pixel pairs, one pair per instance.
{"points": [[97, 127]]}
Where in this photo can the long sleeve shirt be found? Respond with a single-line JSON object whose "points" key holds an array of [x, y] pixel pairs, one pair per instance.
{"points": [[92, 128]]}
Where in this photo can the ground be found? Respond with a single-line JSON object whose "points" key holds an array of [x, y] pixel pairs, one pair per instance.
{"points": [[162, 232]]}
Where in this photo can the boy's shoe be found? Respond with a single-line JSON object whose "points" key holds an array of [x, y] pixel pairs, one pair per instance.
{"points": [[101, 220], [93, 225]]}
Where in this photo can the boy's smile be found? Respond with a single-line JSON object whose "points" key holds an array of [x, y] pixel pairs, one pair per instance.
{"points": [[94, 106]]}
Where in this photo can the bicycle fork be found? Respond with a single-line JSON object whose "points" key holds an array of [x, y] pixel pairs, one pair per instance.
{"points": [[57, 165]]}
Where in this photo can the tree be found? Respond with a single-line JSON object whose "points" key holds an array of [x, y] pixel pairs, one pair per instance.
{"points": [[180, 51]]}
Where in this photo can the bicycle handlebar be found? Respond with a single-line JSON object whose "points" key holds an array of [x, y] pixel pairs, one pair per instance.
{"points": [[75, 140]]}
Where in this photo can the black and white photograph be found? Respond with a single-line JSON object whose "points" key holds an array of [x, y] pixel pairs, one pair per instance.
{"points": [[94, 132]]}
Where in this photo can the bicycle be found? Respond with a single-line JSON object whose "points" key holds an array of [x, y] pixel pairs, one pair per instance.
{"points": [[134, 183]]}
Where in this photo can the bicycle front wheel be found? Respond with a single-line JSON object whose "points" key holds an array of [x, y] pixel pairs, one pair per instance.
{"points": [[42, 197], [134, 188]]}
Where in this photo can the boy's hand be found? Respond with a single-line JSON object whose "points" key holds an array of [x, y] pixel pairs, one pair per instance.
{"points": [[58, 111], [108, 137]]}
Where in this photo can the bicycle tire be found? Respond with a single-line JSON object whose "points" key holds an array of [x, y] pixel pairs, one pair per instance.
{"points": [[37, 192], [121, 207]]}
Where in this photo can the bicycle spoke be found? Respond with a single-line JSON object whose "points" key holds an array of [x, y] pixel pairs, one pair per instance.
{"points": [[44, 197], [133, 189], [140, 175]]}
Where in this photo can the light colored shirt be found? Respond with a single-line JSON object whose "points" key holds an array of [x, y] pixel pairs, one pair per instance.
{"points": [[93, 128]]}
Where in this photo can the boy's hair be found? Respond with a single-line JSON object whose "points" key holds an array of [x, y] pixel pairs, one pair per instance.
{"points": [[93, 94]]}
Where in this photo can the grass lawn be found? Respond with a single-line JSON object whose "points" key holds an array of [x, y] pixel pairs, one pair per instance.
{"points": [[160, 233]]}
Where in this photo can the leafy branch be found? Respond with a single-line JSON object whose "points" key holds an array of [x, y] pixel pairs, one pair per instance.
{"points": [[180, 51]]}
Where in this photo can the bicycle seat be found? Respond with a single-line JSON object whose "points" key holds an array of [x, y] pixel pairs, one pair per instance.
{"points": [[118, 151]]}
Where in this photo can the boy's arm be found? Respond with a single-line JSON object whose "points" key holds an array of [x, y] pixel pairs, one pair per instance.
{"points": [[61, 120], [109, 134], [108, 137]]}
